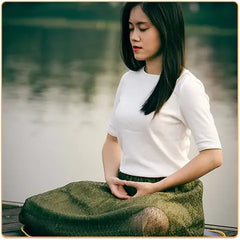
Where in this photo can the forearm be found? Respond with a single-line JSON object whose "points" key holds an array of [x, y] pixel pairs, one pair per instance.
{"points": [[203, 163], [111, 155]]}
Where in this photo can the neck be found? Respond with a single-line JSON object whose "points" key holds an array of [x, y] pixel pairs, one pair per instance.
{"points": [[154, 66]]}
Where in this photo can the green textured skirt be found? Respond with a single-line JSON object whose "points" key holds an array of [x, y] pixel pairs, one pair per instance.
{"points": [[89, 209]]}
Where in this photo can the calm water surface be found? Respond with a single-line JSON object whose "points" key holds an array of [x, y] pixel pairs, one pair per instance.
{"points": [[58, 91]]}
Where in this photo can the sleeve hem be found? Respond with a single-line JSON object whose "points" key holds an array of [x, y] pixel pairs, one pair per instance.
{"points": [[111, 132], [201, 148]]}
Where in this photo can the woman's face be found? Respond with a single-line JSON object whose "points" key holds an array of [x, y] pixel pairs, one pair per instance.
{"points": [[144, 36]]}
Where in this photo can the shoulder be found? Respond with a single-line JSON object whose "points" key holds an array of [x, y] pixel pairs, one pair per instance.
{"points": [[131, 74], [127, 76], [188, 84], [124, 77]]}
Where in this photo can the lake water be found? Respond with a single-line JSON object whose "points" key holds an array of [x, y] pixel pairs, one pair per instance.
{"points": [[58, 89]]}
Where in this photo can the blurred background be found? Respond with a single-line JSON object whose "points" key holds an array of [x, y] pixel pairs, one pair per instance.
{"points": [[60, 70]]}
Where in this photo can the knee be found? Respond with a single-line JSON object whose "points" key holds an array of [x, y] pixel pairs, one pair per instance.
{"points": [[154, 222]]}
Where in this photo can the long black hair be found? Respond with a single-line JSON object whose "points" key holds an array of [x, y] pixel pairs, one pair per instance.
{"points": [[167, 17]]}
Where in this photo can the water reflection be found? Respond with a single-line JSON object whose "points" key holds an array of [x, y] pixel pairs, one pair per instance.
{"points": [[213, 60], [58, 90], [220, 60], [69, 59]]}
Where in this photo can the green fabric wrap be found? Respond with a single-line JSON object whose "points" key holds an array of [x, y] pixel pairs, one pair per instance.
{"points": [[88, 208]]}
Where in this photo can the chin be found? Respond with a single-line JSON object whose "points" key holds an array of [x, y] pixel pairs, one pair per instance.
{"points": [[139, 58]]}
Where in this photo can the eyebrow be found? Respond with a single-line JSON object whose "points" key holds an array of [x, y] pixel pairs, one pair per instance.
{"points": [[138, 23]]}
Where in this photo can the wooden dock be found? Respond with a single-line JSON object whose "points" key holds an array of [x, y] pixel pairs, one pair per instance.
{"points": [[10, 224], [12, 227]]}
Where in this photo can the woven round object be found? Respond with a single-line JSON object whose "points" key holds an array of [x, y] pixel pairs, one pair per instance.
{"points": [[214, 233]]}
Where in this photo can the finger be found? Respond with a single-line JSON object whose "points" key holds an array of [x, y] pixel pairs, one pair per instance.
{"points": [[122, 190], [136, 195], [119, 192], [120, 182], [120, 195], [132, 184]]}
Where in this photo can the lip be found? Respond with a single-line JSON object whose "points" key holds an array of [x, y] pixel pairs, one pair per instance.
{"points": [[136, 48]]}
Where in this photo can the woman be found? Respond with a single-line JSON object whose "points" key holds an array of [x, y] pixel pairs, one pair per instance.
{"points": [[154, 189], [155, 139]]}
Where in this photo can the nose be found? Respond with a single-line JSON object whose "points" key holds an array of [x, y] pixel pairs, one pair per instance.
{"points": [[134, 35]]}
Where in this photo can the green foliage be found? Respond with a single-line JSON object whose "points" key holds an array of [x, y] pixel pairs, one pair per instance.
{"points": [[220, 14], [74, 10]]}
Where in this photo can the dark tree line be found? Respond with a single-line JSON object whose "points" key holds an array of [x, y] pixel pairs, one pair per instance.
{"points": [[222, 14]]}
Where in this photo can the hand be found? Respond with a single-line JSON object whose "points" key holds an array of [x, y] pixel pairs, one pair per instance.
{"points": [[116, 187], [143, 188]]}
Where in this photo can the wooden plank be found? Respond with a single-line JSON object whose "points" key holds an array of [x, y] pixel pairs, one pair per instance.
{"points": [[16, 233], [4, 206], [10, 219], [11, 227], [11, 211]]}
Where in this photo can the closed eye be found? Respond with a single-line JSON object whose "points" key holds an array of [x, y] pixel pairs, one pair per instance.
{"points": [[143, 29]]}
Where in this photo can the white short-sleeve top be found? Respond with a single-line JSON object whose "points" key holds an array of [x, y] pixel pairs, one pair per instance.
{"points": [[159, 147]]}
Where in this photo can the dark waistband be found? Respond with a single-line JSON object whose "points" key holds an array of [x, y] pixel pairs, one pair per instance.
{"points": [[124, 176]]}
